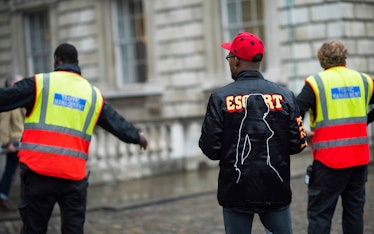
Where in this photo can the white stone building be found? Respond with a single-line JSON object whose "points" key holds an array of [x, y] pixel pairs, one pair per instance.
{"points": [[156, 61]]}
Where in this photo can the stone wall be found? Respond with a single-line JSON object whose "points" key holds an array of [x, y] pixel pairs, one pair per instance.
{"points": [[305, 25], [77, 23], [179, 53], [5, 42]]}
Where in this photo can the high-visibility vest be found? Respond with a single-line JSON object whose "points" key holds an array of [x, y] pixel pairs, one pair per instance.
{"points": [[339, 122], [58, 130]]}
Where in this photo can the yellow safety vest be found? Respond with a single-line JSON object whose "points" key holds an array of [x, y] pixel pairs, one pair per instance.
{"points": [[58, 131], [339, 121]]}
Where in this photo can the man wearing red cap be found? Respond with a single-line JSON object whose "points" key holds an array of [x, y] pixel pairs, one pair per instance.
{"points": [[252, 126]]}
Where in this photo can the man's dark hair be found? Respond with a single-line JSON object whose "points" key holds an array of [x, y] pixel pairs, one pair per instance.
{"points": [[257, 58], [67, 53]]}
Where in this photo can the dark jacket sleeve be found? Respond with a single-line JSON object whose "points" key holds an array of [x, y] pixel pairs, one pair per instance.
{"points": [[113, 122], [371, 112], [306, 99], [296, 129], [22, 94], [370, 116], [211, 133]]}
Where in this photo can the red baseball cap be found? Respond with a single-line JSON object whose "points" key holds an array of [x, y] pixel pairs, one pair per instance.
{"points": [[246, 46]]}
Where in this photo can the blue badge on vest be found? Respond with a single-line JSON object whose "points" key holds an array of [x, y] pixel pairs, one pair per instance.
{"points": [[69, 101], [346, 92]]}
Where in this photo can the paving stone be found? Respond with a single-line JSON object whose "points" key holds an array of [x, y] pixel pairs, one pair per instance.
{"points": [[177, 203]]}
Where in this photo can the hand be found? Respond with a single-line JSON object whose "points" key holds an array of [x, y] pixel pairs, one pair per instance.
{"points": [[143, 143], [309, 138], [10, 148]]}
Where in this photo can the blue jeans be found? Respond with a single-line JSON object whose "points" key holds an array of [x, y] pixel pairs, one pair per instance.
{"points": [[277, 221], [8, 175]]}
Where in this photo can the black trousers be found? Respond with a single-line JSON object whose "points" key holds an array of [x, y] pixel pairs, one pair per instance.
{"points": [[325, 187], [40, 193]]}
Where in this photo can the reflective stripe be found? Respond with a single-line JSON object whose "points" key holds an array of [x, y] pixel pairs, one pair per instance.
{"points": [[334, 122], [58, 129], [340, 142], [44, 97], [366, 86], [322, 96], [54, 150], [91, 111]]}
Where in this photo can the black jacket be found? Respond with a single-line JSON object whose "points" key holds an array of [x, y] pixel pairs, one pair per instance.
{"points": [[254, 143], [23, 95]]}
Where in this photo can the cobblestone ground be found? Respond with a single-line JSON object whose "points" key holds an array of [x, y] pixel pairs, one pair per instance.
{"points": [[197, 213]]}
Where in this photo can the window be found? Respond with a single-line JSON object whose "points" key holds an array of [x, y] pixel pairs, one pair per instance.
{"points": [[38, 42], [243, 15], [130, 45]]}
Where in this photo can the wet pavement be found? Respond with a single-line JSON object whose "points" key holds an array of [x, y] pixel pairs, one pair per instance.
{"points": [[175, 203]]}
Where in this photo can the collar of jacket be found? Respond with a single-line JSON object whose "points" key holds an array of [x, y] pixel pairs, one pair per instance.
{"points": [[69, 67], [249, 74]]}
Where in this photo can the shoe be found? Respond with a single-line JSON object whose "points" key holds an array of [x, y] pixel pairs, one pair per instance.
{"points": [[6, 205]]}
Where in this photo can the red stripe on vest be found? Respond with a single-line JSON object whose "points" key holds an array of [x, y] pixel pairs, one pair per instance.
{"points": [[339, 132], [50, 138]]}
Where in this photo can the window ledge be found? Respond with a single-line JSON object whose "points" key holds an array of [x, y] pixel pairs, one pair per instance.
{"points": [[131, 93]]}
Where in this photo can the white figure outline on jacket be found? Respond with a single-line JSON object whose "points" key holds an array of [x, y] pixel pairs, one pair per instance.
{"points": [[242, 156]]}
